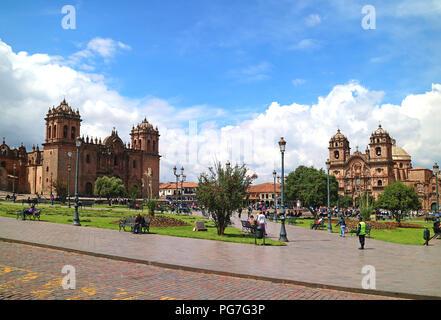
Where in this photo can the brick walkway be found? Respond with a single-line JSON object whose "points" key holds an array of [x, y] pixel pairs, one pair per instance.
{"points": [[28, 272], [311, 257]]}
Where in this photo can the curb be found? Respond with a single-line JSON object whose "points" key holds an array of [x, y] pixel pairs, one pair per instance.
{"points": [[380, 293]]}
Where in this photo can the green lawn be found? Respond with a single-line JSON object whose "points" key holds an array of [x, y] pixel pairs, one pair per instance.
{"points": [[107, 218], [412, 236]]}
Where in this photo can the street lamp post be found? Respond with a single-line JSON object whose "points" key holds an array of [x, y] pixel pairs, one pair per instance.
{"points": [[275, 196], [69, 154], [13, 183], [76, 220], [436, 172], [282, 237], [183, 177], [177, 184], [328, 166]]}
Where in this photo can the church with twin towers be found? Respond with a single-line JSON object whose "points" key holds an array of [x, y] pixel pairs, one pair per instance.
{"points": [[36, 172]]}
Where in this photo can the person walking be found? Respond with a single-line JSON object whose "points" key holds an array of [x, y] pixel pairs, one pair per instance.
{"points": [[342, 224], [361, 232], [261, 221]]}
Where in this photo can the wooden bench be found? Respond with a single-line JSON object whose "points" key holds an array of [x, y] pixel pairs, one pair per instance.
{"points": [[25, 212], [130, 222], [291, 220], [314, 225], [247, 227], [86, 203]]}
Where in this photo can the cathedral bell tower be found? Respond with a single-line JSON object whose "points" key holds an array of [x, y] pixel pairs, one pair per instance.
{"points": [[145, 138], [339, 150], [380, 146], [62, 129]]}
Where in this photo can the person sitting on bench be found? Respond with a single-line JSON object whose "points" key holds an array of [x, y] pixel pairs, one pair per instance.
{"points": [[317, 223], [139, 221]]}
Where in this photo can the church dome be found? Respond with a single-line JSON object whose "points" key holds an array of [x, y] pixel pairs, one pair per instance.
{"points": [[399, 153], [338, 136], [380, 131]]}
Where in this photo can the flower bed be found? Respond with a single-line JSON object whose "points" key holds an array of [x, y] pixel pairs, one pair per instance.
{"points": [[161, 221], [382, 225]]}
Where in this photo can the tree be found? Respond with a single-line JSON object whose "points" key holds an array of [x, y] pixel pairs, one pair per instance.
{"points": [[221, 191], [344, 201], [61, 190], [109, 188], [310, 186], [398, 199], [152, 204], [134, 193]]}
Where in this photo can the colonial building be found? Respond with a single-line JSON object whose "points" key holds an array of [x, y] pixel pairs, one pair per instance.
{"points": [[136, 163], [382, 163], [263, 193], [185, 191]]}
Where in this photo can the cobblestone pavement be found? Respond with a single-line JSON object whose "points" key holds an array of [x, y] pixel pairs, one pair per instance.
{"points": [[311, 257], [28, 272]]}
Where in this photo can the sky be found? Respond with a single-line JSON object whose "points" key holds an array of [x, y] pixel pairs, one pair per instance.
{"points": [[224, 80]]}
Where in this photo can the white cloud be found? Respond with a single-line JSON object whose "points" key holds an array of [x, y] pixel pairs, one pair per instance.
{"points": [[298, 82], [305, 44], [30, 84], [312, 20], [251, 73], [97, 47]]}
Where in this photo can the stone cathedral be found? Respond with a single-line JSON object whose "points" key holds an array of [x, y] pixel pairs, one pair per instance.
{"points": [[35, 172]]}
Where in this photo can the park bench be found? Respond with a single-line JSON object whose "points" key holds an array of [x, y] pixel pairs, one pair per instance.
{"points": [[133, 206], [25, 212], [86, 203], [320, 226], [130, 222], [368, 231], [247, 227], [291, 220]]}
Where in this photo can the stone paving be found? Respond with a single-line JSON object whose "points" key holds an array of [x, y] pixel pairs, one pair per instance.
{"points": [[310, 258], [34, 273]]}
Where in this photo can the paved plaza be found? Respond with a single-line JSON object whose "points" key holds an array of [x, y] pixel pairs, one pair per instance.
{"points": [[311, 258]]}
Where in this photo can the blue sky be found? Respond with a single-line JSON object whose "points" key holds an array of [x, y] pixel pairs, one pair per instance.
{"points": [[239, 55], [225, 62]]}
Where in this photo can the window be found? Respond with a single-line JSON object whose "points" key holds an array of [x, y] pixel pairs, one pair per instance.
{"points": [[88, 158], [148, 145], [73, 133], [380, 183], [378, 151], [49, 132], [154, 146], [336, 154], [47, 169], [115, 161], [55, 132], [65, 132], [134, 164], [3, 164]]}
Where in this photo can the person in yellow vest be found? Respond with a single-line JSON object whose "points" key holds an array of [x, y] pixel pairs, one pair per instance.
{"points": [[361, 232]]}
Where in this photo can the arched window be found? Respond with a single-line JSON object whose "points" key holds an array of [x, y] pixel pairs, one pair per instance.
{"points": [[401, 165], [380, 183], [148, 145], [134, 164], [89, 189], [134, 144], [88, 158], [65, 132], [139, 143], [378, 151], [49, 132], [55, 132], [154, 146], [73, 132], [336, 154]]}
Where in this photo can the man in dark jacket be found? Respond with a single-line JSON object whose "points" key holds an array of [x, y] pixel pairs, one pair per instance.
{"points": [[342, 224], [139, 221]]}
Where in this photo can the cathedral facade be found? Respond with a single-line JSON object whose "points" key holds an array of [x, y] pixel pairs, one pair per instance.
{"points": [[382, 163], [136, 163]]}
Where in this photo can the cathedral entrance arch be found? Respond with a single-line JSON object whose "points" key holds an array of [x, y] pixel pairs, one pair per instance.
{"points": [[89, 189]]}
